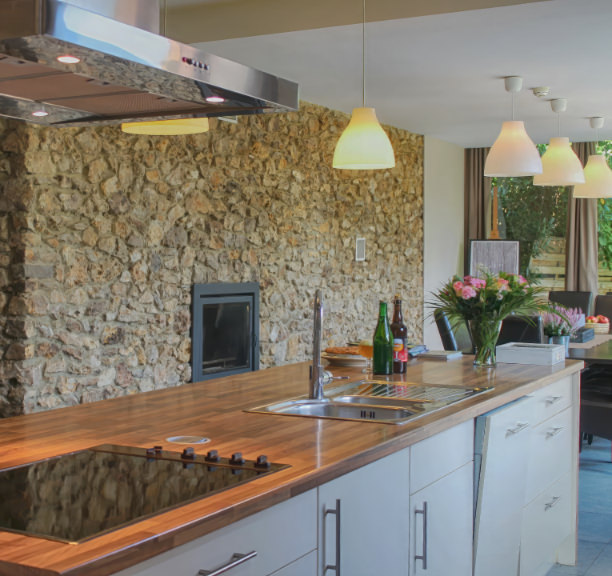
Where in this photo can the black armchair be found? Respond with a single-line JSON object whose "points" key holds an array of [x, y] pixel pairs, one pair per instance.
{"points": [[521, 329], [573, 299], [453, 337]]}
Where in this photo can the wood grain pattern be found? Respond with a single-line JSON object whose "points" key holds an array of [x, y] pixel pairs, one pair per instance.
{"points": [[317, 450]]}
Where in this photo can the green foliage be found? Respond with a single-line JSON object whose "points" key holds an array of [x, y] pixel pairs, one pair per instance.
{"points": [[604, 214], [531, 214]]}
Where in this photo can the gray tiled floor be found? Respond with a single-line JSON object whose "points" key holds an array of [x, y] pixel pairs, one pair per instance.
{"points": [[594, 514]]}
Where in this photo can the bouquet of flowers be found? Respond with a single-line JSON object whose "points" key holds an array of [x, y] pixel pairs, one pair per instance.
{"points": [[483, 302]]}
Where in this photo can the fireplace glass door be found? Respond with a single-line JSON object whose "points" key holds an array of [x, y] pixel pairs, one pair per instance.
{"points": [[225, 330]]}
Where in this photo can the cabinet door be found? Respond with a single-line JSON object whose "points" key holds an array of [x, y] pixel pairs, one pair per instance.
{"points": [[364, 520], [501, 487], [441, 526]]}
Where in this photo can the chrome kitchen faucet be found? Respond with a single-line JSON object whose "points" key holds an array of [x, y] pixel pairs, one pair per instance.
{"points": [[317, 374]]}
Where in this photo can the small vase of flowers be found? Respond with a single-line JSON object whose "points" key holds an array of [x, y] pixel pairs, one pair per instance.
{"points": [[560, 323], [483, 302]]}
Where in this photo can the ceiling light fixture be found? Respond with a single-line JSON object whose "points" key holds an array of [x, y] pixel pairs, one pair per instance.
{"points": [[215, 99], [513, 153], [40, 113], [560, 164], [363, 145], [597, 173], [175, 127]]}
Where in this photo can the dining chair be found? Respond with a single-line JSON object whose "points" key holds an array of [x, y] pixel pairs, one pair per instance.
{"points": [[453, 337], [522, 329], [573, 299], [603, 305]]}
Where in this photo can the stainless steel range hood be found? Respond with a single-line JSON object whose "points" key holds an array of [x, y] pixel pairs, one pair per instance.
{"points": [[124, 73]]}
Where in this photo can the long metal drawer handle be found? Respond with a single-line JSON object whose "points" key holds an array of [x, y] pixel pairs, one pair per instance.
{"points": [[552, 503], [235, 560], [554, 431], [423, 555], [335, 567], [518, 428], [553, 399]]}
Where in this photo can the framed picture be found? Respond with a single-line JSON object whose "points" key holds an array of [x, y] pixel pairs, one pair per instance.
{"points": [[494, 256]]}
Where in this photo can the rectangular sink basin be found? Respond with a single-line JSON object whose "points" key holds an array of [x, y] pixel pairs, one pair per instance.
{"points": [[374, 401], [340, 410]]}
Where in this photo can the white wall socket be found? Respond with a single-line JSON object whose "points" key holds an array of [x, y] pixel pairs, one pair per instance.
{"points": [[360, 249]]}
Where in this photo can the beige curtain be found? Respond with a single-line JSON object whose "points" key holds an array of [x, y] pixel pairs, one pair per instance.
{"points": [[581, 238], [477, 203]]}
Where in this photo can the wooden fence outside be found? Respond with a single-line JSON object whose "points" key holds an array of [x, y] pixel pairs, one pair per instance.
{"points": [[550, 266]]}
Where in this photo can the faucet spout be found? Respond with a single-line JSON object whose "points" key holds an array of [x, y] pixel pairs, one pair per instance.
{"points": [[316, 370]]}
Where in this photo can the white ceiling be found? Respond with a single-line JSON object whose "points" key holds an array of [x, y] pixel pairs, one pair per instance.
{"points": [[441, 75]]}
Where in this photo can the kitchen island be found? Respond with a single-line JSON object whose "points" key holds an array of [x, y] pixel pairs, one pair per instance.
{"points": [[319, 452]]}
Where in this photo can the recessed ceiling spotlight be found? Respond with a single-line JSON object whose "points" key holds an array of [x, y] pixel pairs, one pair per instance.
{"points": [[215, 99], [68, 59], [40, 113]]}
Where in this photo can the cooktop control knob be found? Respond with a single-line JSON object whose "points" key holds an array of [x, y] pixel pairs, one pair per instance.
{"points": [[155, 451], [236, 459], [262, 462], [188, 454], [212, 456]]}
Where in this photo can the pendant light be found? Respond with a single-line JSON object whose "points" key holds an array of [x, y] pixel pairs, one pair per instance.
{"points": [[560, 164], [513, 153], [597, 173], [363, 145]]}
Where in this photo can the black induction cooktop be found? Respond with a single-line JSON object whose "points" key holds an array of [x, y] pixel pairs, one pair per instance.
{"points": [[84, 494]]}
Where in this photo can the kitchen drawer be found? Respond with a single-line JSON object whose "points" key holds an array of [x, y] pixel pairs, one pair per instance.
{"points": [[547, 522], [552, 399], [550, 453], [440, 454], [279, 535]]}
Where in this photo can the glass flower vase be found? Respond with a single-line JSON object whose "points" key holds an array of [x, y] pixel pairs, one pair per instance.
{"points": [[484, 333]]}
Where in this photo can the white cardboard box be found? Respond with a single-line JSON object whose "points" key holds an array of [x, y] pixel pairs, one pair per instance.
{"points": [[528, 353]]}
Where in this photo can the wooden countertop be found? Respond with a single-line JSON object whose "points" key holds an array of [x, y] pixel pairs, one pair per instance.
{"points": [[318, 450]]}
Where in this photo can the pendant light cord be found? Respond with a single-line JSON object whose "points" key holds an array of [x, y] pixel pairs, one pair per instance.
{"points": [[363, 65]]}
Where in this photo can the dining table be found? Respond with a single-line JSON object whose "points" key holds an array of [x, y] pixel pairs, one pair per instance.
{"points": [[595, 351]]}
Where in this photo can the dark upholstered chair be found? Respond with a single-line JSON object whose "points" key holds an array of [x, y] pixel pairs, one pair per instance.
{"points": [[453, 337], [596, 402], [521, 329], [573, 299], [603, 305]]}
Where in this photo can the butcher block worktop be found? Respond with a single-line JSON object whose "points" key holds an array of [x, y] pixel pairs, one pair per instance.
{"points": [[317, 450]]}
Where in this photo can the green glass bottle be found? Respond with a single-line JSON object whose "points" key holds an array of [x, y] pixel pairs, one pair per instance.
{"points": [[383, 343]]}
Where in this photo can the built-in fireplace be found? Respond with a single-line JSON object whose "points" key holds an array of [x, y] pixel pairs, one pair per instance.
{"points": [[224, 329]]}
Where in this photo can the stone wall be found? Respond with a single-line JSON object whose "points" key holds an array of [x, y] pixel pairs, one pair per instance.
{"points": [[102, 235]]}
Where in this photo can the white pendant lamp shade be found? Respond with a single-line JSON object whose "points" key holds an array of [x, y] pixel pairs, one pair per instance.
{"points": [[173, 127], [363, 145], [560, 165], [598, 179], [513, 153]]}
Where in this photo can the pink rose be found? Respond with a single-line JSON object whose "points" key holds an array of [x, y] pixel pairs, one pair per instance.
{"points": [[468, 292], [458, 287], [521, 279], [477, 283]]}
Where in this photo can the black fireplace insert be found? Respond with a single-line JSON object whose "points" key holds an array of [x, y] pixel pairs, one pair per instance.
{"points": [[224, 329]]}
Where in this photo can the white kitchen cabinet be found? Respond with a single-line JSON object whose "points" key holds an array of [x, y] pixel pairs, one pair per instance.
{"points": [[527, 497], [502, 442], [283, 537], [441, 503], [364, 520]]}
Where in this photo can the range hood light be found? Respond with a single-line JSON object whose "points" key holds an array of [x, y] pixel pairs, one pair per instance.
{"points": [[215, 99], [174, 127], [68, 59], [40, 113]]}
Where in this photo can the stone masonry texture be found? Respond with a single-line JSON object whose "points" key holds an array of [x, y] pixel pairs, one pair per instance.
{"points": [[103, 234]]}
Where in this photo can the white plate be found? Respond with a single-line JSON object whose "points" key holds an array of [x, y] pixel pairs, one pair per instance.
{"points": [[344, 359]]}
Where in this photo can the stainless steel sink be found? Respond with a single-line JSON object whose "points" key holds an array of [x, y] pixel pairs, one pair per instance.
{"points": [[374, 401], [339, 409]]}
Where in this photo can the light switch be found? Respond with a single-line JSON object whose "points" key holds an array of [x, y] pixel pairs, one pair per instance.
{"points": [[360, 245]]}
